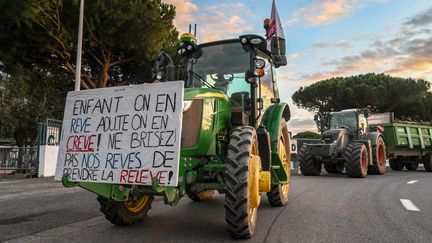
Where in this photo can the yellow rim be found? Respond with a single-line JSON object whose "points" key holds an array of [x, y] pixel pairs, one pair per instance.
{"points": [[137, 205], [285, 158], [254, 196]]}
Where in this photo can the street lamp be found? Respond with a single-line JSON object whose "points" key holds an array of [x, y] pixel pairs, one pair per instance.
{"points": [[79, 50]]}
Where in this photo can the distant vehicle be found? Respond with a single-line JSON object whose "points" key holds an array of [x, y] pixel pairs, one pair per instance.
{"points": [[345, 143], [408, 144]]}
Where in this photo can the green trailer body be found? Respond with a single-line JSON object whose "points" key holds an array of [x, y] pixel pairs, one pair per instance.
{"points": [[406, 139], [408, 144]]}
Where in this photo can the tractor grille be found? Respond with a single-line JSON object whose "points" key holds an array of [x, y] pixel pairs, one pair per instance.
{"points": [[191, 125]]}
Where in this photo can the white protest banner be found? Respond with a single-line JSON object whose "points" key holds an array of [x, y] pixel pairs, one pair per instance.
{"points": [[122, 135]]}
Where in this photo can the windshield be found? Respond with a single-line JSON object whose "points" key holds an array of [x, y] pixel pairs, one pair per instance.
{"points": [[222, 66], [346, 120]]}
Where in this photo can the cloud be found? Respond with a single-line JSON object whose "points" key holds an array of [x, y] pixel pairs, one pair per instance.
{"points": [[340, 44], [422, 19], [296, 125], [215, 21], [343, 45], [184, 12], [325, 11], [406, 52]]}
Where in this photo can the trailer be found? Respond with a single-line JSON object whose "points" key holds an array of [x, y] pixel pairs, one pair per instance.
{"points": [[408, 144]]}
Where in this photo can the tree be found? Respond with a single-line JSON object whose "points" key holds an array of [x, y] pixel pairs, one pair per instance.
{"points": [[121, 37], [407, 98], [307, 134], [38, 52], [25, 101]]}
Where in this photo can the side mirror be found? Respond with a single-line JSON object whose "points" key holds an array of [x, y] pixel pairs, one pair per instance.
{"points": [[278, 50]]}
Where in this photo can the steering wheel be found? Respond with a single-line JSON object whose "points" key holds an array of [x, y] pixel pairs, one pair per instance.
{"points": [[221, 77]]}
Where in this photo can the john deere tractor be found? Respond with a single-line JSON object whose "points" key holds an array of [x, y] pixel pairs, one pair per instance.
{"points": [[234, 134], [345, 143]]}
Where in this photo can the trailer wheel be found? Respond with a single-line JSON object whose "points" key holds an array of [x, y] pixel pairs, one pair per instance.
{"points": [[396, 164], [278, 195], [242, 182], [334, 168], [412, 165], [125, 213], [379, 158], [308, 165], [201, 196], [356, 162], [427, 162]]}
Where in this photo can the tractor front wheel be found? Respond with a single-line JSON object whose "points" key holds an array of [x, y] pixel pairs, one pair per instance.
{"points": [[356, 162], [396, 164], [379, 158], [278, 195], [242, 195], [125, 213], [308, 165]]}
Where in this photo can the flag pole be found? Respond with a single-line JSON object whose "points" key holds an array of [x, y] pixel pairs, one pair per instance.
{"points": [[79, 49]]}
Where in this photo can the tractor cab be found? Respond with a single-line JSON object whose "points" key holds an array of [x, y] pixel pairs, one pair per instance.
{"points": [[243, 69], [353, 120]]}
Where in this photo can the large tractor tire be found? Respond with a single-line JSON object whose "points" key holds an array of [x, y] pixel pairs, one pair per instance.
{"points": [[356, 162], [278, 195], [396, 164], [125, 213], [308, 165], [201, 196], [412, 165], [427, 162], [333, 168], [379, 158], [242, 196]]}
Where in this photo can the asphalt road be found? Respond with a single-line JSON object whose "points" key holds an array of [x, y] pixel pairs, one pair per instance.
{"points": [[329, 208]]}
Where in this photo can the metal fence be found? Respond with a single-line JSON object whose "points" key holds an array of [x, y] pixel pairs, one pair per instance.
{"points": [[49, 132], [18, 160]]}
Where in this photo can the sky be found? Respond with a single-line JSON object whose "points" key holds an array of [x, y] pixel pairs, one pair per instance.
{"points": [[325, 38]]}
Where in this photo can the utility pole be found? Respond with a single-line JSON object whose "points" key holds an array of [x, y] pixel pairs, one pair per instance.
{"points": [[79, 50]]}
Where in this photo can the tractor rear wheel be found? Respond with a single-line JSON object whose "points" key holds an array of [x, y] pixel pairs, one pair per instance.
{"points": [[333, 168], [379, 158], [125, 213], [201, 196], [396, 164], [427, 162], [242, 196], [412, 165], [278, 195], [308, 165], [356, 162]]}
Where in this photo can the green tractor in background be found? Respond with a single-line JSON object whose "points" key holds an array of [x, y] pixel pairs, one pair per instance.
{"points": [[234, 136], [346, 143]]}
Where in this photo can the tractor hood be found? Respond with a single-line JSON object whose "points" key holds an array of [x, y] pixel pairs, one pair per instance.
{"points": [[201, 93]]}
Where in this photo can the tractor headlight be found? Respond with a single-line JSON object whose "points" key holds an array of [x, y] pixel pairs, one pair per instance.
{"points": [[259, 63], [187, 105]]}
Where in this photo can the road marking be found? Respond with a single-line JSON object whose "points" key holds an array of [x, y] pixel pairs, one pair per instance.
{"points": [[409, 205], [412, 182]]}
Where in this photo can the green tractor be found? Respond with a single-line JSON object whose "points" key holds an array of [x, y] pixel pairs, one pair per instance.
{"points": [[346, 143], [234, 134]]}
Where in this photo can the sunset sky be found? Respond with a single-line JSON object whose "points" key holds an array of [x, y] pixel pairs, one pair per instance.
{"points": [[325, 38]]}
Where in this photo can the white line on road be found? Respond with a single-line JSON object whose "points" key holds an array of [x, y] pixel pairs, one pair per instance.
{"points": [[412, 182], [409, 205]]}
